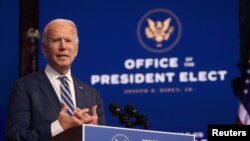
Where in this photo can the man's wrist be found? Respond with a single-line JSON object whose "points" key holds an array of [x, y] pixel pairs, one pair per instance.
{"points": [[56, 128]]}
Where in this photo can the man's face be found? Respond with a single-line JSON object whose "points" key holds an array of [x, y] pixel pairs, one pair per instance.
{"points": [[62, 46]]}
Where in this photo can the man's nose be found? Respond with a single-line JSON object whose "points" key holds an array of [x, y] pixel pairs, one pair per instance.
{"points": [[62, 44]]}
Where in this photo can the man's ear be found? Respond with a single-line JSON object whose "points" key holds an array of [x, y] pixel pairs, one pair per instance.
{"points": [[44, 51], [76, 52]]}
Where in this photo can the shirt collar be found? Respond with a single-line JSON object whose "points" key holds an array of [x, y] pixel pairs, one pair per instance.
{"points": [[53, 74]]}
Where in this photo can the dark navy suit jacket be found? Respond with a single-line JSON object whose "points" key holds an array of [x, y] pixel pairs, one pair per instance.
{"points": [[34, 105]]}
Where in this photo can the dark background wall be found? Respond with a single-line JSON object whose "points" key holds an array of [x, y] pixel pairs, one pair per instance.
{"points": [[244, 21]]}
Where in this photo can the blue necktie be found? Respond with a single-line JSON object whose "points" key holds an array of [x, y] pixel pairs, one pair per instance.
{"points": [[66, 96]]}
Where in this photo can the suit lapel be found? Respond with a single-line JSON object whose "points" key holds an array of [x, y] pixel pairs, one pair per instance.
{"points": [[79, 93], [48, 90]]}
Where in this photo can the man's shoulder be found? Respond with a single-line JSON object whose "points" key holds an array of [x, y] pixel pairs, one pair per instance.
{"points": [[31, 78]]}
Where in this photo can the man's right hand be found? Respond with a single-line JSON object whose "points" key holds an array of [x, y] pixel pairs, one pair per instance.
{"points": [[67, 121]]}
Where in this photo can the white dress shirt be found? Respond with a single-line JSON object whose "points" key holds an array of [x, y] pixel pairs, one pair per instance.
{"points": [[54, 78]]}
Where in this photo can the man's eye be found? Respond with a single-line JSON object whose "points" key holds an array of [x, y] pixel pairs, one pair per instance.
{"points": [[55, 40], [68, 40]]}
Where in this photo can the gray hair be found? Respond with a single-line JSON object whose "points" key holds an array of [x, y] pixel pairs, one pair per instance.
{"points": [[44, 36]]}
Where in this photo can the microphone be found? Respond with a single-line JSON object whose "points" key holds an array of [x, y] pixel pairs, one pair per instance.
{"points": [[142, 120], [139, 119], [130, 110], [122, 117], [115, 109]]}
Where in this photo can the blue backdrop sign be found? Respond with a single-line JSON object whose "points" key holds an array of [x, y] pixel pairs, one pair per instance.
{"points": [[173, 60]]}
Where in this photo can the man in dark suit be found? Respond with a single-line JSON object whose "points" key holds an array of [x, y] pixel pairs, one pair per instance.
{"points": [[43, 104]]}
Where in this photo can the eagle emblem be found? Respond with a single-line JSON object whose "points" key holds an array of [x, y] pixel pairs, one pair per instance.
{"points": [[159, 31]]}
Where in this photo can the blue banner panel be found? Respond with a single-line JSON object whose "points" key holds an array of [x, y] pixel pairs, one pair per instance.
{"points": [[9, 54], [173, 60]]}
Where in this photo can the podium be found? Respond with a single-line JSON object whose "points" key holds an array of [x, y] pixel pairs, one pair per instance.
{"points": [[108, 133]]}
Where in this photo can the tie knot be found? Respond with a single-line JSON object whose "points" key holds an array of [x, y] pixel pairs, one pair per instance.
{"points": [[63, 79]]}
